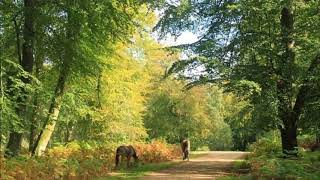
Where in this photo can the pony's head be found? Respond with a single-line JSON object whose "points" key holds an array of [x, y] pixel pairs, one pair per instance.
{"points": [[181, 139], [135, 156]]}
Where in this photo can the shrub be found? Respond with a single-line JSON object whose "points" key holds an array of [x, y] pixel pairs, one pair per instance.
{"points": [[266, 146], [157, 151], [272, 167], [266, 163], [308, 142]]}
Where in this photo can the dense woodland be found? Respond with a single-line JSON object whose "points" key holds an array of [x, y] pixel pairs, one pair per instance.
{"points": [[92, 74]]}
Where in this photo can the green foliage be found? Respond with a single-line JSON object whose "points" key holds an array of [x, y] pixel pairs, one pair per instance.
{"points": [[267, 145], [304, 167], [221, 138], [306, 141], [267, 160], [238, 115], [254, 48], [12, 86], [180, 114], [111, 105], [242, 165], [67, 46], [197, 114]]}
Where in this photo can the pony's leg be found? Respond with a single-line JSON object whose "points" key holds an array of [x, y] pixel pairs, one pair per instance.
{"points": [[187, 155], [128, 161]]}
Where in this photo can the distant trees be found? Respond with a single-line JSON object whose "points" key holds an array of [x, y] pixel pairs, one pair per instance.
{"points": [[197, 114]]}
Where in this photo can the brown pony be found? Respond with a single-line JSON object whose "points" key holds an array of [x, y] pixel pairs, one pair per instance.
{"points": [[185, 146], [127, 151]]}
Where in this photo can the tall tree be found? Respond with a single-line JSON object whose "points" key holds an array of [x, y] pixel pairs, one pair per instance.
{"points": [[287, 114], [272, 43], [26, 62], [82, 25]]}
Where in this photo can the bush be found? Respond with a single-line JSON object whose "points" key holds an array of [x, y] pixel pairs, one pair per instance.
{"points": [[268, 145], [157, 151], [307, 167], [307, 141], [265, 161]]}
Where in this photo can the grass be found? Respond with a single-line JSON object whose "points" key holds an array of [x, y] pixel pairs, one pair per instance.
{"points": [[242, 164], [245, 177], [139, 171], [196, 154]]}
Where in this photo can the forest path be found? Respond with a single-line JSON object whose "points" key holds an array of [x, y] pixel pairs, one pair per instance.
{"points": [[211, 165]]}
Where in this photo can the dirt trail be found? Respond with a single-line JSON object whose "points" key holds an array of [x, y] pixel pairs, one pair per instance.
{"points": [[209, 166]]}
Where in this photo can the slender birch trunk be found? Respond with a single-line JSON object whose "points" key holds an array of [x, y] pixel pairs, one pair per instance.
{"points": [[54, 110]]}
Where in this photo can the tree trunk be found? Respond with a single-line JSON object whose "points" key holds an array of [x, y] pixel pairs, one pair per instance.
{"points": [[289, 135], [34, 110], [318, 138], [15, 137], [285, 84], [99, 90], [46, 133], [14, 144], [68, 132], [33, 121], [17, 29], [54, 111]]}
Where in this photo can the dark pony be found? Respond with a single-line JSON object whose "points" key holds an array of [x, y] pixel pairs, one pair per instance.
{"points": [[185, 146], [126, 151]]}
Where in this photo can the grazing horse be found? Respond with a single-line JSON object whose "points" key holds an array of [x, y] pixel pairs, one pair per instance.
{"points": [[127, 151], [185, 146]]}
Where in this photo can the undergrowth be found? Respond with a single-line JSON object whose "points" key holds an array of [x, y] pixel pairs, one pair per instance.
{"points": [[76, 159], [267, 160]]}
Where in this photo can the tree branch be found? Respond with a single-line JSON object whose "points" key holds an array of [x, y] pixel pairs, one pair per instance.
{"points": [[17, 29], [305, 88]]}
